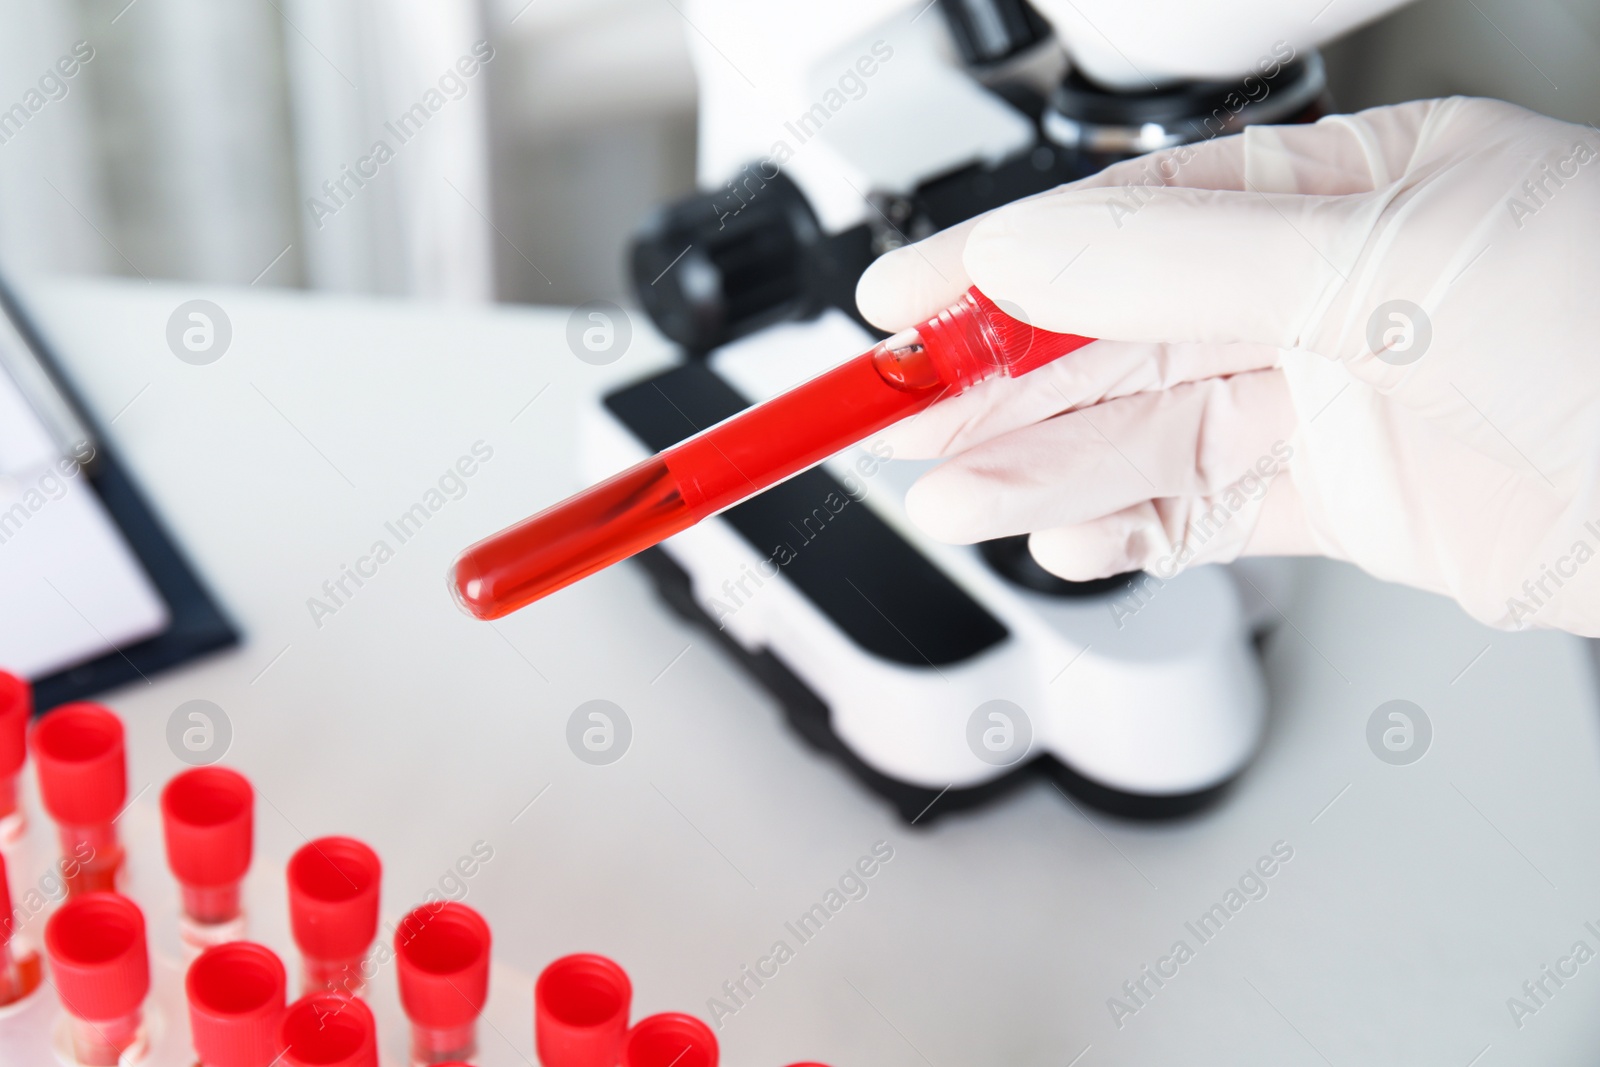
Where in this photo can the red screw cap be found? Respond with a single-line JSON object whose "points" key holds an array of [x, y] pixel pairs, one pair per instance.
{"points": [[83, 772], [16, 707], [333, 898], [97, 956], [1022, 347], [236, 1001], [208, 819], [442, 953], [670, 1039], [328, 1030], [580, 1011]]}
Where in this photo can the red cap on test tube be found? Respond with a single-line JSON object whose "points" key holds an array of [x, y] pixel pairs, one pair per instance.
{"points": [[328, 1030], [580, 1011], [442, 956], [16, 707], [101, 969], [83, 780], [236, 1001], [83, 771], [333, 910], [670, 1039], [208, 820]]}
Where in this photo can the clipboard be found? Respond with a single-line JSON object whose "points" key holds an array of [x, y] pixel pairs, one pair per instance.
{"points": [[94, 592]]}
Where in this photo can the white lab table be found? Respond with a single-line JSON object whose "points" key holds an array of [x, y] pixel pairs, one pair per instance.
{"points": [[1418, 899]]}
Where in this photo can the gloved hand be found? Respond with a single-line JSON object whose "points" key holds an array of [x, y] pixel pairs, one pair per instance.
{"points": [[1376, 338]]}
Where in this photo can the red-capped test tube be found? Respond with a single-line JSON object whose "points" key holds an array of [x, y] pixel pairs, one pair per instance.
{"points": [[580, 1011], [207, 818], [101, 969], [964, 344], [333, 911], [19, 971], [328, 1030], [670, 1039], [16, 708], [83, 778], [442, 956], [237, 994]]}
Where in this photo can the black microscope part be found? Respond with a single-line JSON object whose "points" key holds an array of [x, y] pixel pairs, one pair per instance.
{"points": [[1009, 557], [992, 31], [716, 266], [1186, 104]]}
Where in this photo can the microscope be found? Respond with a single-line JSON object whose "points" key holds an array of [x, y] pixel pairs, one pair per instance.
{"points": [[938, 675]]}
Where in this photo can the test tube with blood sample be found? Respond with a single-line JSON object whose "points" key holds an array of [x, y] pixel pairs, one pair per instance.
{"points": [[16, 708], [100, 968], [442, 957], [328, 1030], [333, 911], [83, 780], [207, 819], [236, 995]]}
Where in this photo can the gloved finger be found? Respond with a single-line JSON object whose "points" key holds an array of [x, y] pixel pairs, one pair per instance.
{"points": [[1102, 371], [1164, 537], [1339, 155], [912, 284], [1211, 266], [1192, 440], [1217, 163]]}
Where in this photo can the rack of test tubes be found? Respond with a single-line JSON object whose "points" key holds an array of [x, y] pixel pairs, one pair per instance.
{"points": [[111, 958]]}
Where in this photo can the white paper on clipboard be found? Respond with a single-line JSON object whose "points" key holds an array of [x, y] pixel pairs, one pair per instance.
{"points": [[71, 590]]}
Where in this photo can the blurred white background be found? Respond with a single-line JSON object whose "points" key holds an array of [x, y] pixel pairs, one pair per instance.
{"points": [[189, 145]]}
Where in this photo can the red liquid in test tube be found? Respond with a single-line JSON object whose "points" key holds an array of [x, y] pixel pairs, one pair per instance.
{"points": [[328, 1030], [83, 779], [670, 1039], [966, 343], [442, 956], [207, 819], [101, 969], [236, 998], [16, 708], [19, 971], [580, 1011], [333, 911]]}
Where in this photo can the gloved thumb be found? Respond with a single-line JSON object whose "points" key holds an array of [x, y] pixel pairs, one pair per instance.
{"points": [[1165, 263]]}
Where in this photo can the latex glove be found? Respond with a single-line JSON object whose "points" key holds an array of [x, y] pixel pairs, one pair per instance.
{"points": [[1240, 407]]}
